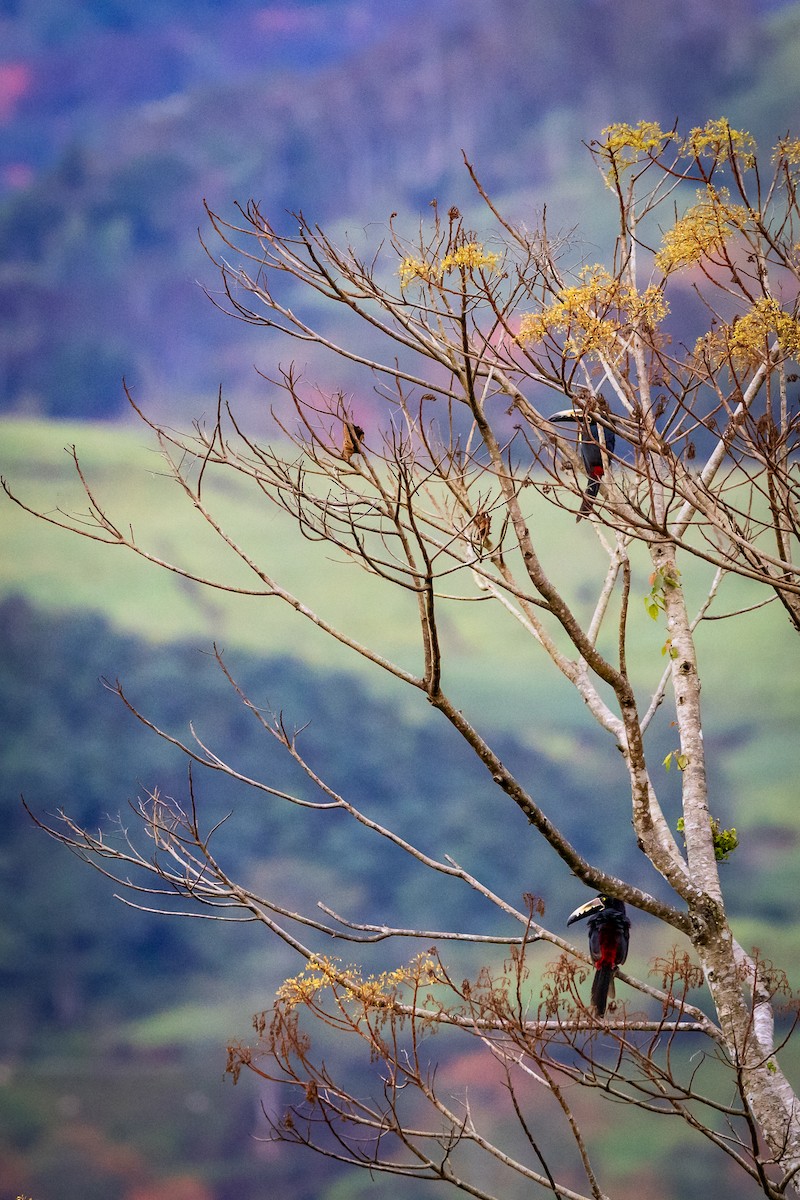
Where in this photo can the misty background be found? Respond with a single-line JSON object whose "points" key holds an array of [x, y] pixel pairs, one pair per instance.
{"points": [[119, 119]]}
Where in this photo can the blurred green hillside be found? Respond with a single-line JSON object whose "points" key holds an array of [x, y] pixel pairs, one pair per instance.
{"points": [[124, 469], [63, 574]]}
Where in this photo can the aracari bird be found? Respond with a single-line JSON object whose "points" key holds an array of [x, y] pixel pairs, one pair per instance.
{"points": [[590, 445], [609, 935]]}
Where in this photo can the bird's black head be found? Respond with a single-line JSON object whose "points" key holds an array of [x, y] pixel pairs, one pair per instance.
{"points": [[597, 905]]}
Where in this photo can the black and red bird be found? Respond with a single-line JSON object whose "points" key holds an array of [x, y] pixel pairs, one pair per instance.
{"points": [[591, 441], [609, 935]]}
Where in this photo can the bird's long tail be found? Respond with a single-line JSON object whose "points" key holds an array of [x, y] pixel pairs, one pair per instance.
{"points": [[602, 988], [587, 503]]}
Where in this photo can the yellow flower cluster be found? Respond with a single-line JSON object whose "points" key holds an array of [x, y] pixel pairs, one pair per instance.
{"points": [[645, 308], [704, 228], [317, 974], [471, 256], [747, 341], [750, 336], [414, 268], [374, 990], [625, 144], [788, 149], [717, 138], [629, 141], [594, 312]]}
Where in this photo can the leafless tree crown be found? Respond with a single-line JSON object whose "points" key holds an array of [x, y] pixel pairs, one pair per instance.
{"points": [[514, 377]]}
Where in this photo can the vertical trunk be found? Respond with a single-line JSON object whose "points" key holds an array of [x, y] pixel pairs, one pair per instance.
{"points": [[703, 868], [742, 999], [745, 1015]]}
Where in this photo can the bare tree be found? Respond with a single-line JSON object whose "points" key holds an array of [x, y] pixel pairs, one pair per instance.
{"points": [[681, 460]]}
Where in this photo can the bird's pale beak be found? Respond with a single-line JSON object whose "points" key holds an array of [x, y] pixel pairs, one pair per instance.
{"points": [[586, 910]]}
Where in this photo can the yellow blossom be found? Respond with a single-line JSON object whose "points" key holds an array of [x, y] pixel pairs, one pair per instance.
{"points": [[625, 143], [717, 138], [470, 257], [788, 149], [348, 984], [704, 228], [316, 975], [748, 340], [414, 268], [533, 327], [765, 323], [648, 307], [593, 313]]}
